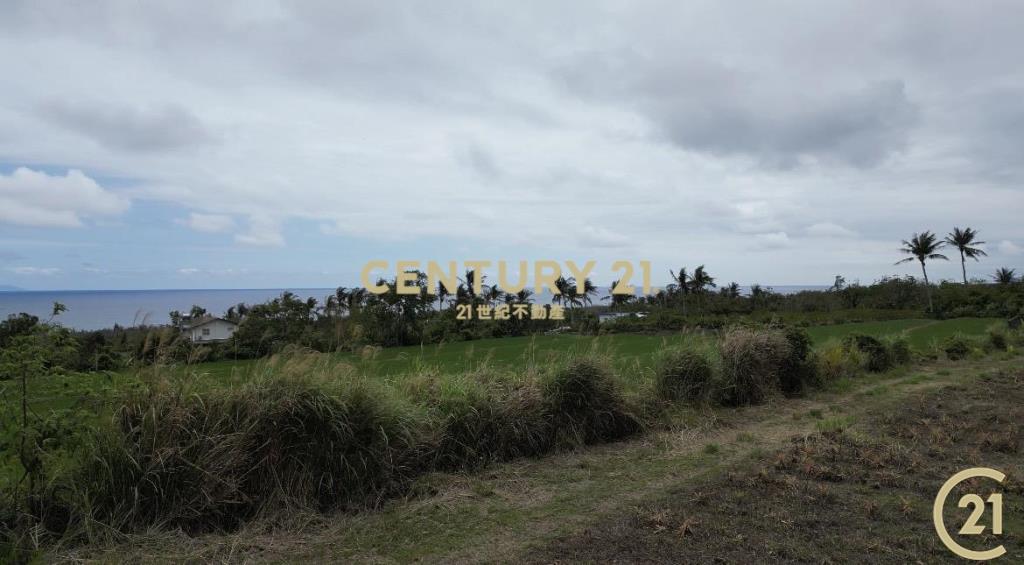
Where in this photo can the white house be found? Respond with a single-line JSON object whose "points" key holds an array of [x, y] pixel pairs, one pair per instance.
{"points": [[211, 329]]}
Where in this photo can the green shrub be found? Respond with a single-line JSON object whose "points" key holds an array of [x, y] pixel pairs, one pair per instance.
{"points": [[957, 347], [997, 339], [586, 405], [481, 422], [798, 372], [752, 361], [834, 361], [898, 350], [876, 356], [205, 462], [684, 374]]}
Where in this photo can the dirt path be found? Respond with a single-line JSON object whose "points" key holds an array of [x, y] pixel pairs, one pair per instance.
{"points": [[540, 508]]}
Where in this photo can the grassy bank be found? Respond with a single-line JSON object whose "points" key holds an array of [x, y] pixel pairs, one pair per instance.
{"points": [[314, 432], [714, 471]]}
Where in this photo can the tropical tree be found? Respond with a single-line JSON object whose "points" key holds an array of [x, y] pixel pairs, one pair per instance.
{"points": [[1004, 275], [589, 290], [525, 296], [493, 294], [681, 282], [617, 299], [680, 286], [701, 280], [731, 290], [442, 295], [564, 286], [965, 240], [923, 246]]}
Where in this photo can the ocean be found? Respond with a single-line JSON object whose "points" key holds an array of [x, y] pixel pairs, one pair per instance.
{"points": [[98, 309]]}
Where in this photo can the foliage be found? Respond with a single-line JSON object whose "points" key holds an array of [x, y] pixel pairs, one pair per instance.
{"points": [[586, 404], [684, 373], [956, 347], [797, 373], [752, 363], [876, 355], [834, 361]]}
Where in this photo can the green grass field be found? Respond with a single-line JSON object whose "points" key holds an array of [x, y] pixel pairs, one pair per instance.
{"points": [[85, 397], [633, 355], [627, 349]]}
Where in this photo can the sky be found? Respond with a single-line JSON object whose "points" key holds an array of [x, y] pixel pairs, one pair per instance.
{"points": [[272, 144]]}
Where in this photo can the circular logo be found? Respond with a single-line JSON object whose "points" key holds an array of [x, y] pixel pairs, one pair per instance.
{"points": [[978, 505]]}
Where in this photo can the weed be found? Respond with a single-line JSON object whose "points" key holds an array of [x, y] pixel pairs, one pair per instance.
{"points": [[752, 361], [684, 374]]}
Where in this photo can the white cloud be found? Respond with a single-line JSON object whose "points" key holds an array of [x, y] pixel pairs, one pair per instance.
{"points": [[591, 236], [1007, 247], [35, 271], [36, 198], [774, 240], [262, 232], [828, 229], [188, 271], [487, 127], [209, 223]]}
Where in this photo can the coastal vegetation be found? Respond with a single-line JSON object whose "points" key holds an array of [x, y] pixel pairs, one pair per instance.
{"points": [[347, 403]]}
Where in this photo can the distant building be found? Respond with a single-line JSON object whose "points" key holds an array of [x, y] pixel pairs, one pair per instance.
{"points": [[210, 329], [605, 317]]}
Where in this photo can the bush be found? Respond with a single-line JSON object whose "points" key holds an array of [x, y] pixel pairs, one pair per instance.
{"points": [[898, 350], [684, 374], [997, 339], [876, 355], [752, 361], [834, 361], [586, 405], [212, 461], [957, 347], [798, 373], [481, 422]]}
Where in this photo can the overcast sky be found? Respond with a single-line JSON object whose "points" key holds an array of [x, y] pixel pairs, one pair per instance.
{"points": [[282, 144]]}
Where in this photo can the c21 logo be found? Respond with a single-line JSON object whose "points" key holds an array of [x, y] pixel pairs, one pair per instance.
{"points": [[979, 505]]}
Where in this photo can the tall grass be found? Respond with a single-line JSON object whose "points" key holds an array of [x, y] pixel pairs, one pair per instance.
{"points": [[210, 461], [752, 362], [303, 431], [685, 374]]}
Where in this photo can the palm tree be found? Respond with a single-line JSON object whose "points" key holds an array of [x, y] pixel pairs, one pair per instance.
{"points": [[470, 281], [442, 295], [525, 296], [731, 290], [701, 280], [680, 286], [922, 247], [681, 281], [1004, 276], [563, 286], [588, 290], [617, 299], [963, 240], [493, 294]]}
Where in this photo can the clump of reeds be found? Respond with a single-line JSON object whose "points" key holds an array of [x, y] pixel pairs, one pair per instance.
{"points": [[752, 362], [684, 373], [586, 404], [210, 461]]}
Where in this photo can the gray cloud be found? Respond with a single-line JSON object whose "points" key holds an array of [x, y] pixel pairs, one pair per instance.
{"points": [[124, 127], [707, 107], [688, 130]]}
